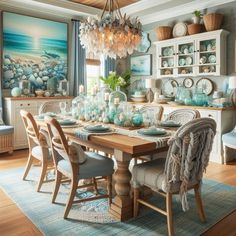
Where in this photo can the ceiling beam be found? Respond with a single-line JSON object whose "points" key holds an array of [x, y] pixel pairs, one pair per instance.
{"points": [[181, 10], [55, 7]]}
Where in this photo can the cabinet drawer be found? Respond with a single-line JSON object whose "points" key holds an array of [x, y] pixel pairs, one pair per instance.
{"points": [[21, 104], [209, 114]]}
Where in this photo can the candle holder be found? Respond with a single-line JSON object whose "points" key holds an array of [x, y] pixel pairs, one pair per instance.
{"points": [[149, 84]]}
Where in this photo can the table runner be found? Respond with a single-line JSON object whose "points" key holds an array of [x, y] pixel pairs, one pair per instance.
{"points": [[161, 141]]}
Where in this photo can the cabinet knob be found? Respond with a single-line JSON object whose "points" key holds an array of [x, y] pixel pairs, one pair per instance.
{"points": [[197, 50], [21, 105], [209, 115], [28, 104]]}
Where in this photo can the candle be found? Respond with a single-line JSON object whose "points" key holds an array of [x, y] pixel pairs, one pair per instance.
{"points": [[150, 83], [106, 96], [94, 91], [116, 101], [81, 88]]}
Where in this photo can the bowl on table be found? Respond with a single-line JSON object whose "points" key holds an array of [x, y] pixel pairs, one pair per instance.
{"points": [[97, 128], [151, 131]]}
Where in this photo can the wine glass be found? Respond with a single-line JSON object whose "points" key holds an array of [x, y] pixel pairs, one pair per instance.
{"points": [[62, 106]]}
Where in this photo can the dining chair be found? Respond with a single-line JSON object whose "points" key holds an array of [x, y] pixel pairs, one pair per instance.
{"points": [[38, 147], [183, 115], [154, 109], [77, 164], [50, 106], [182, 170]]}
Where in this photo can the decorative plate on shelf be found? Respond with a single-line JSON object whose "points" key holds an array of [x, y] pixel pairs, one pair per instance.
{"points": [[182, 62], [168, 52], [182, 49], [188, 82], [212, 59], [206, 85], [169, 88], [189, 61], [145, 43], [180, 29], [191, 49], [170, 62], [164, 64]]}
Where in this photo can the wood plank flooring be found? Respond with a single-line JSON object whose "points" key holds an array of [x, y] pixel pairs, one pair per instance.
{"points": [[13, 222]]}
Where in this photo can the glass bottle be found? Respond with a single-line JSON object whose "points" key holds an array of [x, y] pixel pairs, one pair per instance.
{"points": [[137, 118]]}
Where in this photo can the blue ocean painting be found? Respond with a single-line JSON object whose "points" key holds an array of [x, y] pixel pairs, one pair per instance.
{"points": [[141, 65], [34, 49]]}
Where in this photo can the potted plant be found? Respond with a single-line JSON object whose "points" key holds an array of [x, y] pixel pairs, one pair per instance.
{"points": [[113, 80], [197, 17]]}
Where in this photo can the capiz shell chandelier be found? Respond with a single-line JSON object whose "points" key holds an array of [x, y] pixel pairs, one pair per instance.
{"points": [[111, 34]]}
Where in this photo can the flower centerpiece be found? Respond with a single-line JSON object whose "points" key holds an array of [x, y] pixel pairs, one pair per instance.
{"points": [[113, 80]]}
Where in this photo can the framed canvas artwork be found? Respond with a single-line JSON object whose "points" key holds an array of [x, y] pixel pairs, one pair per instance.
{"points": [[35, 50], [141, 65]]}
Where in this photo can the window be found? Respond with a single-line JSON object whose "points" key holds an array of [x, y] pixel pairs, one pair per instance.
{"points": [[94, 70]]}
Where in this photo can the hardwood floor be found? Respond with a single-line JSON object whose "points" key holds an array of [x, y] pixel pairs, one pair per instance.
{"points": [[13, 222]]}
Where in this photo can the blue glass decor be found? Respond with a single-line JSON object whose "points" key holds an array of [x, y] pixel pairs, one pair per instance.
{"points": [[137, 118]]}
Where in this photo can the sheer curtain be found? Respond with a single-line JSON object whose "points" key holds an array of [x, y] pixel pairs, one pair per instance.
{"points": [[109, 65], [78, 61]]}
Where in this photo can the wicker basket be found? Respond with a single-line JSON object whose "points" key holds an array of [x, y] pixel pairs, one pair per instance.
{"points": [[164, 32], [194, 29], [213, 21]]}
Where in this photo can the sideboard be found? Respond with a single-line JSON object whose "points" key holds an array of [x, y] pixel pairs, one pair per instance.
{"points": [[225, 119], [12, 107]]}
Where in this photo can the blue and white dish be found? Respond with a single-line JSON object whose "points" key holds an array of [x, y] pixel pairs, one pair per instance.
{"points": [[67, 122], [191, 49], [170, 123], [165, 64], [212, 59], [189, 61], [182, 62], [152, 131], [170, 62], [97, 128]]}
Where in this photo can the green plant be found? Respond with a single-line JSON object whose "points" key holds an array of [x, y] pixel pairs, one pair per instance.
{"points": [[197, 14], [114, 80]]}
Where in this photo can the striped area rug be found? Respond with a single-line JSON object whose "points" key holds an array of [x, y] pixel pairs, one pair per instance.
{"points": [[92, 219]]}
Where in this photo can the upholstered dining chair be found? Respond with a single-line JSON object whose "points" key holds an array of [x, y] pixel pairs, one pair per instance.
{"points": [[38, 147], [183, 168], [77, 164], [183, 115]]}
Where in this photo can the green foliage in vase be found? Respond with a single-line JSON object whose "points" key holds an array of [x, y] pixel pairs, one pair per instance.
{"points": [[114, 80], [197, 14]]}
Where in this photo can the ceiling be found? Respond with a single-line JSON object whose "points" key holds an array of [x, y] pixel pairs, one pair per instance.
{"points": [[150, 12], [100, 3]]}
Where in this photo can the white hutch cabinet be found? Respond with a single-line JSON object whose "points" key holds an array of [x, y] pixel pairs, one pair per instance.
{"points": [[12, 107], [201, 54]]}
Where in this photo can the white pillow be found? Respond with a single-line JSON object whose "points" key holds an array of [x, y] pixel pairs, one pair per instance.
{"points": [[81, 157]]}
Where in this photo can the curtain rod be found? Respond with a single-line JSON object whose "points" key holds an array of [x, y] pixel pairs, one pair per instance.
{"points": [[75, 20]]}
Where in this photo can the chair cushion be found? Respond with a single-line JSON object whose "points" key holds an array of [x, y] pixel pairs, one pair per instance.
{"points": [[151, 174], [95, 165], [37, 152], [5, 129], [229, 138]]}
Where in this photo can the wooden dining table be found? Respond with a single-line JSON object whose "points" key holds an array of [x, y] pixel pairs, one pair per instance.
{"points": [[124, 148]]}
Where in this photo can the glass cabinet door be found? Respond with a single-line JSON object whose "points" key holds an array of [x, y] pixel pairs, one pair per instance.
{"points": [[186, 58], [207, 56], [166, 61]]}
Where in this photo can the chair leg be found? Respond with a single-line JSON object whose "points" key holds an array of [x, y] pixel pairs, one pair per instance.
{"points": [[109, 189], [42, 175], [28, 165], [199, 204], [57, 185], [95, 186], [74, 185], [136, 203], [169, 214]]}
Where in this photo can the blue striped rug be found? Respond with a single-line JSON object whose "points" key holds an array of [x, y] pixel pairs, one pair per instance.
{"points": [[219, 200]]}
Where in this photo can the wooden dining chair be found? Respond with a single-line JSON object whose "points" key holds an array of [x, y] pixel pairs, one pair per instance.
{"points": [[77, 164], [183, 116], [183, 168], [38, 147]]}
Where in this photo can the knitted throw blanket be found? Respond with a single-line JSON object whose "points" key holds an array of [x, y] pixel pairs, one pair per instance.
{"points": [[188, 155]]}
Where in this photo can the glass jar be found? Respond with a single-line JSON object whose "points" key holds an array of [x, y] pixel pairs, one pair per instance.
{"points": [[123, 116], [200, 98], [180, 94], [137, 118], [117, 96], [78, 107]]}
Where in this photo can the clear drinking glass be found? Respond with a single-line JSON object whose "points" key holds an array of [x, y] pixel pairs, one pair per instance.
{"points": [[62, 106]]}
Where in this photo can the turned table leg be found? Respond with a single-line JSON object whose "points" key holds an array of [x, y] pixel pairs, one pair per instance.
{"points": [[122, 205]]}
